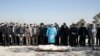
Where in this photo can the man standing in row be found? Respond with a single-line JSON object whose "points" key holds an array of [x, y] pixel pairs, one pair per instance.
{"points": [[64, 32], [51, 34], [73, 36], [82, 35]]}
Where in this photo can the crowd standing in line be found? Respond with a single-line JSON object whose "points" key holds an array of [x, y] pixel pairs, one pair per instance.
{"points": [[32, 34]]}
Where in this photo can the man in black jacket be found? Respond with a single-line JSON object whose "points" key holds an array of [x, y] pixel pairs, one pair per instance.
{"points": [[16, 33], [21, 34], [98, 35], [82, 34], [10, 33], [64, 32], [57, 37], [45, 37], [1, 34], [73, 35], [5, 31], [41, 34]]}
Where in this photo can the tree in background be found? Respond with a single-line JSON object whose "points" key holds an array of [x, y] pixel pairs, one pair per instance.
{"points": [[96, 19], [80, 21]]}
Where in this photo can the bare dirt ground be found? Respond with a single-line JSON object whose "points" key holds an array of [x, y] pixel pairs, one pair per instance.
{"points": [[30, 51]]}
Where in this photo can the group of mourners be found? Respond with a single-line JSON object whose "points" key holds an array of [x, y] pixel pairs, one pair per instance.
{"points": [[32, 34]]}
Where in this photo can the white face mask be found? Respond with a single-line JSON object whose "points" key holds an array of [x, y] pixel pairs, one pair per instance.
{"points": [[51, 26]]}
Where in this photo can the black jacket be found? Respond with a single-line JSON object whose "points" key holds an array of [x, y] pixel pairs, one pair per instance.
{"points": [[10, 30], [64, 31], [73, 31], [21, 30], [5, 30], [83, 31], [98, 31]]}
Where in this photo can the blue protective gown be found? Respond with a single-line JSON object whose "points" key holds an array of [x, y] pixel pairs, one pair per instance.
{"points": [[51, 34]]}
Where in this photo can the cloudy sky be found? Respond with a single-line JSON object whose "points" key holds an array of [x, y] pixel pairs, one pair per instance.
{"points": [[48, 11]]}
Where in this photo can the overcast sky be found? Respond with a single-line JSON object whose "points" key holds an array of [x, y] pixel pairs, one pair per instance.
{"points": [[48, 11]]}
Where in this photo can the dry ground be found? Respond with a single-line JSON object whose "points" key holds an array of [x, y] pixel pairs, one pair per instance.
{"points": [[30, 51]]}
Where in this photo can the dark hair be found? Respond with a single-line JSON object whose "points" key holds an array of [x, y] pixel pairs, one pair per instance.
{"points": [[41, 23], [82, 24], [64, 23], [91, 25]]}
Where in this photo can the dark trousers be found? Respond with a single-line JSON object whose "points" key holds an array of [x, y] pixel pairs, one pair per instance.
{"points": [[82, 40], [11, 40], [6, 40], [73, 40], [46, 40], [41, 39], [35, 40], [98, 40], [24, 41], [64, 40], [1, 39], [57, 40], [17, 40]]}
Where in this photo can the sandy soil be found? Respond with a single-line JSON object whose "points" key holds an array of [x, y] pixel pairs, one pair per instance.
{"points": [[30, 51]]}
